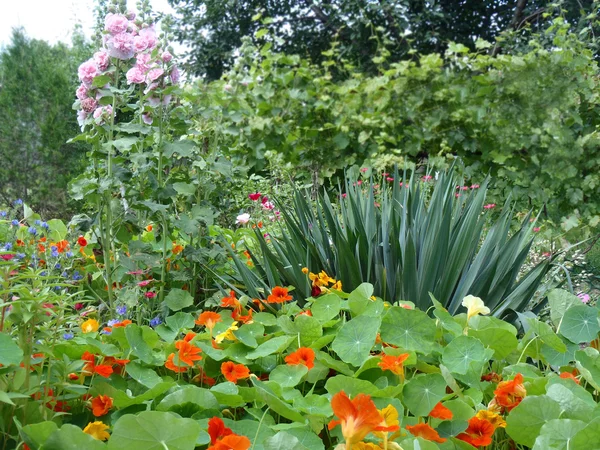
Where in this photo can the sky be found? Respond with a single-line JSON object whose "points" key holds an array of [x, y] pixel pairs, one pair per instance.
{"points": [[54, 20]]}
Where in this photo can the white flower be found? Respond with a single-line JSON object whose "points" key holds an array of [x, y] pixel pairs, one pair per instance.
{"points": [[243, 218], [474, 306]]}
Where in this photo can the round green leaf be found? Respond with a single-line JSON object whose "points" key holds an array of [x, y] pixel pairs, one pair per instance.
{"points": [[575, 401], [315, 405], [178, 299], [588, 438], [410, 329], [557, 434], [70, 437], [288, 376], [201, 398], [524, 422], [461, 352], [423, 392], [580, 324], [274, 345], [154, 430], [355, 339], [351, 386], [326, 307]]}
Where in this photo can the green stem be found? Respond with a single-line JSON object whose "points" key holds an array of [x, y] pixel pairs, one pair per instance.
{"points": [[163, 272]]}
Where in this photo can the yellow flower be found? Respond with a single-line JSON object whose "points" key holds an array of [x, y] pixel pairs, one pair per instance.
{"points": [[305, 270], [321, 279], [90, 325], [227, 334], [366, 446], [390, 419], [337, 286], [474, 306], [97, 430], [373, 298], [492, 417]]}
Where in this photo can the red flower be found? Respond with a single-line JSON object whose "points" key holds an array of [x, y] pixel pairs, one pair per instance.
{"points": [[303, 355], [234, 372], [441, 412], [81, 241], [479, 433], [90, 366], [217, 429], [279, 295], [509, 394], [315, 291], [254, 197], [426, 432], [101, 405]]}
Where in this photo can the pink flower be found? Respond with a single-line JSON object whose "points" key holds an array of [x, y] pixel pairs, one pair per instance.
{"points": [[81, 92], [242, 219], [474, 186], [89, 105], [175, 75], [7, 257], [150, 294], [427, 177], [166, 57], [135, 272], [536, 229], [149, 36], [147, 118], [103, 114], [144, 283], [254, 197], [81, 116], [87, 71], [585, 298], [390, 179], [102, 60], [140, 44], [116, 23], [78, 306], [154, 74], [143, 61], [120, 46], [364, 169], [131, 15], [153, 101], [489, 206], [547, 254], [359, 182], [135, 75], [458, 195], [344, 195], [465, 188], [268, 205]]}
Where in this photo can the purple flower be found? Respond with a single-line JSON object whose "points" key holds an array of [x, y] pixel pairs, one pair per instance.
{"points": [[112, 322], [116, 23], [122, 310], [175, 75], [77, 276], [140, 44], [87, 71], [155, 322], [68, 336], [120, 46], [585, 298]]}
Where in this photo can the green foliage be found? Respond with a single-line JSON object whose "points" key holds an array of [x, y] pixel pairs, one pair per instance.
{"points": [[409, 240]]}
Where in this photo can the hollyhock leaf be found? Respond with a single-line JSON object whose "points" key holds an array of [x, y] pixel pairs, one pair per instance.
{"points": [[326, 307], [100, 81], [185, 188], [201, 398], [461, 352], [184, 149], [274, 345], [355, 339], [143, 375], [423, 392], [557, 434], [70, 437], [288, 376], [178, 299], [408, 328], [154, 430], [589, 437], [275, 403], [580, 324], [524, 422], [124, 143], [10, 352]]}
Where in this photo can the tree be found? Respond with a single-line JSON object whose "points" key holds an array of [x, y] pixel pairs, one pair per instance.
{"points": [[213, 29], [37, 85]]}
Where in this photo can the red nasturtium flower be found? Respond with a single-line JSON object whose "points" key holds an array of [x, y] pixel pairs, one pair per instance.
{"points": [[279, 295], [81, 241], [492, 377], [188, 353], [234, 372], [509, 394], [439, 411], [394, 364], [304, 355], [426, 432], [358, 417], [101, 405], [232, 442], [479, 433], [217, 429], [91, 367]]}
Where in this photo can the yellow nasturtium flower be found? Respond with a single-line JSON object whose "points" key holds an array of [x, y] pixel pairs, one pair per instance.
{"points": [[97, 430], [474, 306], [495, 419], [90, 326], [227, 334]]}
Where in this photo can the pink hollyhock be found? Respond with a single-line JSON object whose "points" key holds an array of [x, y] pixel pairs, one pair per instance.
{"points": [[103, 114], [116, 23], [166, 57], [166, 100], [89, 105], [254, 197], [154, 74], [81, 116], [139, 44], [149, 36], [120, 46], [268, 205], [175, 75], [102, 60], [81, 92], [153, 101], [143, 61], [87, 71], [147, 118], [135, 75]]}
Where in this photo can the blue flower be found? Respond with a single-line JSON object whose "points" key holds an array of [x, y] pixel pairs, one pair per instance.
{"points": [[32, 230], [20, 255], [64, 274], [68, 336], [2, 213], [105, 332], [38, 222], [69, 254], [57, 288], [43, 274], [156, 321], [15, 222], [57, 266], [54, 254], [18, 202], [122, 310], [77, 276], [45, 226], [112, 322], [8, 246]]}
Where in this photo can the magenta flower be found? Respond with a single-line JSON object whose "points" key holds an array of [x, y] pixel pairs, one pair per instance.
{"points": [[87, 71], [585, 298], [427, 177], [120, 46], [364, 169], [149, 294], [489, 206], [536, 229], [474, 186], [254, 197], [116, 23], [144, 283]]}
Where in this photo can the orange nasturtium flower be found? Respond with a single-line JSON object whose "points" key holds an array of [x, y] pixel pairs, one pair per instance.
{"points": [[439, 411], [479, 433], [509, 394], [90, 326], [394, 364], [426, 432], [217, 429], [570, 376], [90, 367], [304, 355], [97, 430], [358, 417], [208, 319], [101, 405], [235, 315], [188, 353], [494, 418], [232, 442], [234, 372], [169, 364], [279, 295], [231, 302], [177, 248]]}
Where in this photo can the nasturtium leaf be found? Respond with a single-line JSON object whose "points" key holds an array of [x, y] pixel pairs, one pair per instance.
{"points": [[559, 301], [288, 376], [274, 345], [360, 298], [122, 400], [202, 398], [227, 393], [555, 358], [139, 346], [327, 360], [580, 324], [283, 441], [423, 392], [524, 422], [461, 352], [495, 334], [355, 339], [308, 328], [275, 403], [418, 443], [588, 364], [154, 430], [460, 409], [256, 431], [575, 402], [408, 328], [351, 386], [547, 335], [557, 434], [36, 434], [70, 437], [266, 319], [322, 341], [326, 307], [589, 437], [247, 334], [143, 375], [449, 428], [180, 320], [178, 299], [307, 438], [316, 405], [10, 352]]}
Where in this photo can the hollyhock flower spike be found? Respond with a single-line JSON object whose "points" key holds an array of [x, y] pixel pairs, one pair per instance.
{"points": [[87, 71]]}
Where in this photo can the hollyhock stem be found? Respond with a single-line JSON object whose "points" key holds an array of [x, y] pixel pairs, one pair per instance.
{"points": [[163, 273]]}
